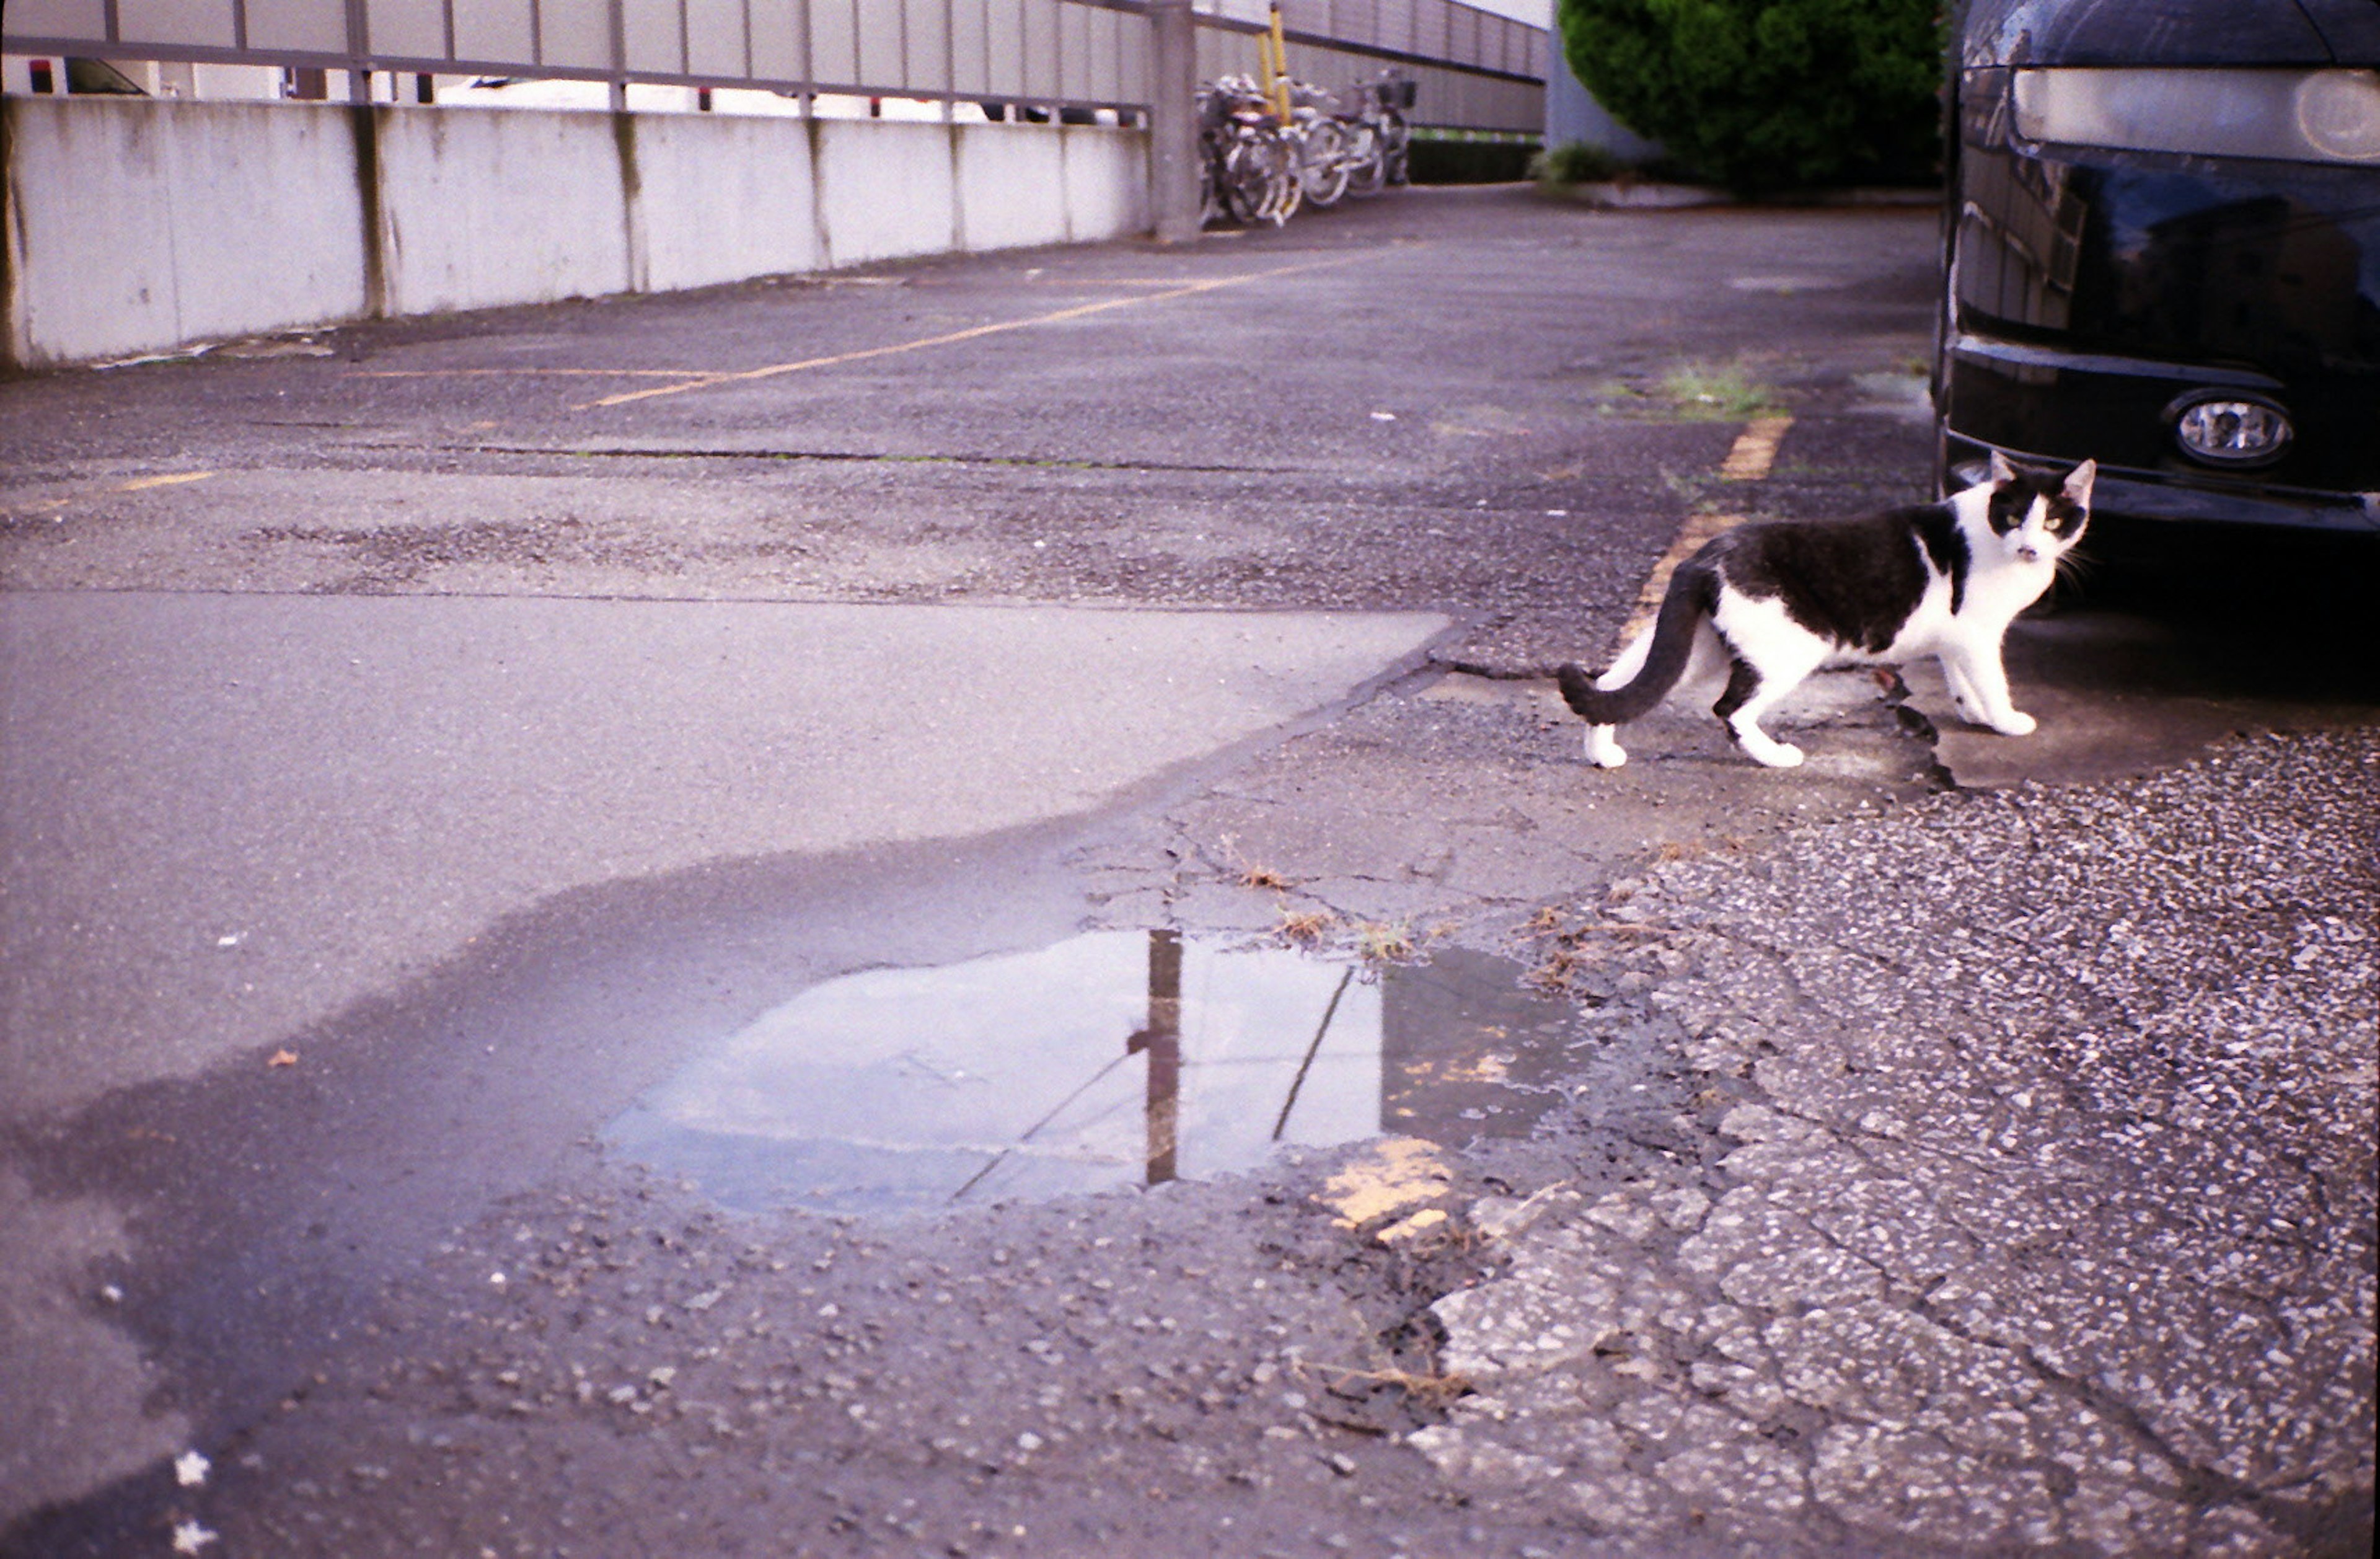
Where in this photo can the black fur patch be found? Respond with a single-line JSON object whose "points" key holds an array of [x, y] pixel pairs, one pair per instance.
{"points": [[1853, 581], [1743, 686], [2013, 501], [1692, 595], [1946, 544]]}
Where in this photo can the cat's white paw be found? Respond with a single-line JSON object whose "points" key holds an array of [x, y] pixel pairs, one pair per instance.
{"points": [[1775, 754], [2016, 723], [1603, 749]]}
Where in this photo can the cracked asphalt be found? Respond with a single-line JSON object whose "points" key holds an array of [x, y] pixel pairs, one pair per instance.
{"points": [[2018, 1230], [1953, 1146]]}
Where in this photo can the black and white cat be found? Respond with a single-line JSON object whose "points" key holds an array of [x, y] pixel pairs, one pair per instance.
{"points": [[1773, 603]]}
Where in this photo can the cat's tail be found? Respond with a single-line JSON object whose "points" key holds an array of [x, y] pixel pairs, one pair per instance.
{"points": [[1692, 595]]}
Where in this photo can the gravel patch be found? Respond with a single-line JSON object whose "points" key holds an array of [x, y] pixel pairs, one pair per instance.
{"points": [[2040, 1206]]}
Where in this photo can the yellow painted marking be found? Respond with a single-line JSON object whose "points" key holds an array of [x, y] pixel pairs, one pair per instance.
{"points": [[137, 484], [1754, 452], [1755, 449], [1105, 281], [522, 372], [1419, 1223], [1399, 1173], [1698, 529], [951, 338]]}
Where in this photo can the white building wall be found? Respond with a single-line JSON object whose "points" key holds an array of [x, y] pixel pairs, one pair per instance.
{"points": [[723, 198], [480, 209], [139, 226], [885, 190], [1107, 182], [1012, 188]]}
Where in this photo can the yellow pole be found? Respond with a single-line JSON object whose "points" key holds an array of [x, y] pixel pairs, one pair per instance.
{"points": [[1280, 67]]}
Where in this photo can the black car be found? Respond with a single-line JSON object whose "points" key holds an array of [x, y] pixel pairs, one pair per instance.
{"points": [[2162, 250]]}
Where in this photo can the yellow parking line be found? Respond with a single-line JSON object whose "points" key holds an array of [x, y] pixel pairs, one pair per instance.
{"points": [[1698, 529], [1754, 452], [974, 332], [137, 484], [1755, 449], [530, 372]]}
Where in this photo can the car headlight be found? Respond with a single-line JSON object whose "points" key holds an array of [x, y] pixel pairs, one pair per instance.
{"points": [[2292, 115], [2225, 427]]}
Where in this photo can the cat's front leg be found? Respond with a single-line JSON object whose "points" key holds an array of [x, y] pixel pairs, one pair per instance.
{"points": [[1962, 693], [1980, 690]]}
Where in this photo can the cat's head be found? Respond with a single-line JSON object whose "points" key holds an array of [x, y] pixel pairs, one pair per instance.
{"points": [[2038, 516]]}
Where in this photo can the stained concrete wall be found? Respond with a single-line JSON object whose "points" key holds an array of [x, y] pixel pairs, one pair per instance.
{"points": [[723, 198], [486, 208], [1033, 166], [885, 190], [137, 226]]}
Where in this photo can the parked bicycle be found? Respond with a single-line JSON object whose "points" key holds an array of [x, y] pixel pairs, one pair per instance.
{"points": [[1256, 167], [1325, 144], [1381, 110], [1248, 161]]}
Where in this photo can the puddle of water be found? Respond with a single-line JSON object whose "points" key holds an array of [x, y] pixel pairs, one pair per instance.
{"points": [[1113, 1058]]}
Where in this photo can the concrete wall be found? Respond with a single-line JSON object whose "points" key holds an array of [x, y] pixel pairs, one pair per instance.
{"points": [[1571, 113], [885, 190], [723, 198], [137, 226], [479, 208]]}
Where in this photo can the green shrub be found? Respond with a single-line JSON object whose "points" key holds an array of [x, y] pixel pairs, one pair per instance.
{"points": [[1770, 95]]}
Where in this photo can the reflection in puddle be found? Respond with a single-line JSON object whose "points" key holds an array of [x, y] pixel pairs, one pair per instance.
{"points": [[1114, 1058]]}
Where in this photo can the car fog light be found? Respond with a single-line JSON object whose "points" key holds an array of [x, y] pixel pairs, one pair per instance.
{"points": [[2226, 432]]}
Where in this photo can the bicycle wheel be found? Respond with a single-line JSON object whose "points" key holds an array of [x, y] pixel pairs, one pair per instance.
{"points": [[1322, 163], [1283, 190], [1395, 137], [1210, 188], [1367, 170], [1247, 179]]}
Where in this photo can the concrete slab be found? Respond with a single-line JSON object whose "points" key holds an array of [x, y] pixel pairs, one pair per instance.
{"points": [[2120, 696], [234, 814]]}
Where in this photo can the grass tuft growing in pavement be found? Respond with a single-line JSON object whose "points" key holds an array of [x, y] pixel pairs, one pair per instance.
{"points": [[1304, 928], [1701, 392], [1385, 943]]}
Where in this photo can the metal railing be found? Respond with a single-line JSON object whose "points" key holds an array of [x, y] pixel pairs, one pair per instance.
{"points": [[1057, 53]]}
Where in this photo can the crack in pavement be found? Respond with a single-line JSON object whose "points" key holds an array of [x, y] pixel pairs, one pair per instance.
{"points": [[862, 456]]}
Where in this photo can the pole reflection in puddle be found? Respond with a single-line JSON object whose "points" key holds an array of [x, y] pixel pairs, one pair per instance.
{"points": [[908, 1090], [1161, 1043]]}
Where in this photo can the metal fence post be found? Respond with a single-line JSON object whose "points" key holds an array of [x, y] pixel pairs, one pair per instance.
{"points": [[1172, 122], [358, 45], [617, 17]]}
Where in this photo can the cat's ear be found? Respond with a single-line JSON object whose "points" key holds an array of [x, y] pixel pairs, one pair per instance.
{"points": [[2002, 472], [2078, 483]]}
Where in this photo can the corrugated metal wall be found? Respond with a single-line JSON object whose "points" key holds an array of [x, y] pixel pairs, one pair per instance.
{"points": [[1477, 69]]}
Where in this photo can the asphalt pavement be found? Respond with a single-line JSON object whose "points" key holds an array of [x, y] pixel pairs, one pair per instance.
{"points": [[457, 768]]}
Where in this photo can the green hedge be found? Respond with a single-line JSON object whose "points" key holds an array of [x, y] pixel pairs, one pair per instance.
{"points": [[1762, 95], [1429, 160]]}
